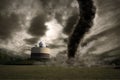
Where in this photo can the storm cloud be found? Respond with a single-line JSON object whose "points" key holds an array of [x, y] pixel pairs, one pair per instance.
{"points": [[38, 27], [31, 41], [71, 22], [23, 23], [8, 25]]}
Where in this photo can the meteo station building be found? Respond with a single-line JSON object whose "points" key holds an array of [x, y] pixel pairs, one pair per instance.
{"points": [[41, 52]]}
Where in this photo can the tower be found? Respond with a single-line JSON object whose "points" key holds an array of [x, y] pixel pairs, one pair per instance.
{"points": [[40, 53]]}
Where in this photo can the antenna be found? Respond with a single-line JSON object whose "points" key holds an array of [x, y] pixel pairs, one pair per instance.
{"points": [[42, 44]]}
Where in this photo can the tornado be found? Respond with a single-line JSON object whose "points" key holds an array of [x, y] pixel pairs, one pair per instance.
{"points": [[87, 13]]}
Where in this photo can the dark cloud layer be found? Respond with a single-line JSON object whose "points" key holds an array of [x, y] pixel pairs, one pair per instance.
{"points": [[59, 9], [8, 25], [9, 22], [38, 27], [54, 46], [55, 3], [31, 41], [4, 4], [70, 24], [58, 16]]}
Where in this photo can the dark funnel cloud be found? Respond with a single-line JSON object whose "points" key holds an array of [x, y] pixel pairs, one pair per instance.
{"points": [[8, 25], [87, 13], [38, 27], [103, 39]]}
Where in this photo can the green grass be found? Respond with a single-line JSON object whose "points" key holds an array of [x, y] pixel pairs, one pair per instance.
{"points": [[37, 72]]}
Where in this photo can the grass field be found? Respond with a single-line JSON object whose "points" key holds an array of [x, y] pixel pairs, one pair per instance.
{"points": [[36, 72]]}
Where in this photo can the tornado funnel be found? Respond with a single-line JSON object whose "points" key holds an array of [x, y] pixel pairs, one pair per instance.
{"points": [[87, 14]]}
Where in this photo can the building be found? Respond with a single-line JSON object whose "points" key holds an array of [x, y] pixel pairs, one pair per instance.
{"points": [[40, 53]]}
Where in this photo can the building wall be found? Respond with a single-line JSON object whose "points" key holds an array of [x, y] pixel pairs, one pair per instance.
{"points": [[38, 53]]}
